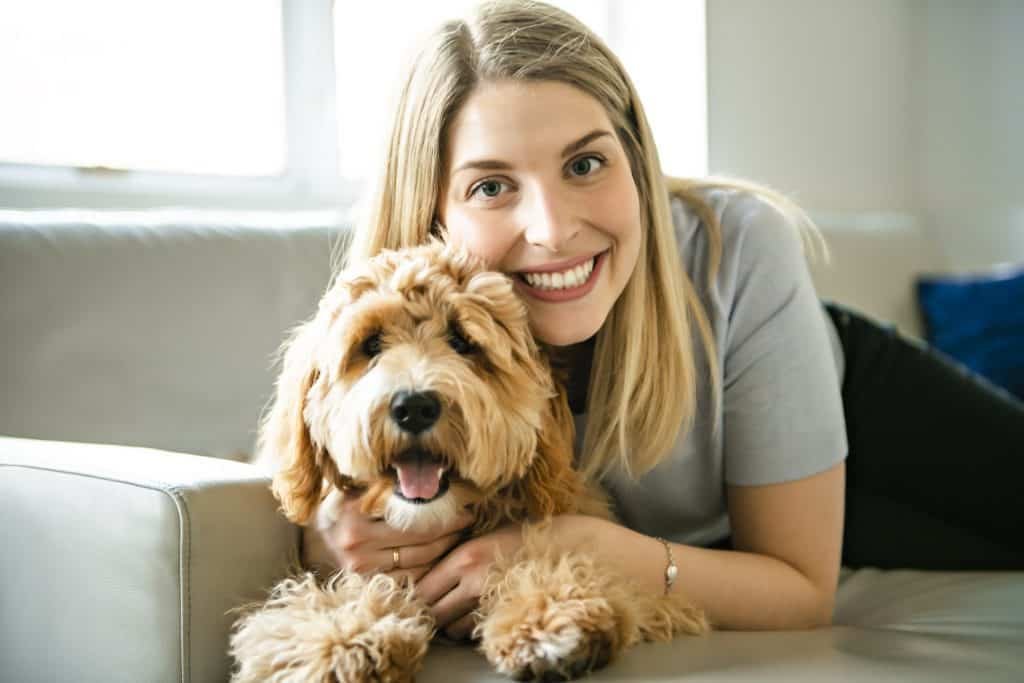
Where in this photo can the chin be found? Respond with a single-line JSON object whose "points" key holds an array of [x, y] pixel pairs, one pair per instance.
{"points": [[402, 513], [557, 333]]}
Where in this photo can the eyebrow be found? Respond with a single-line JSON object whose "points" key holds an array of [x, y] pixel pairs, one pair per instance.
{"points": [[574, 147], [498, 165]]}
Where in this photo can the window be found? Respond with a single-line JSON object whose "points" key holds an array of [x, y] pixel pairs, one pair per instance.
{"points": [[367, 33], [662, 45], [238, 103], [188, 86], [134, 103]]}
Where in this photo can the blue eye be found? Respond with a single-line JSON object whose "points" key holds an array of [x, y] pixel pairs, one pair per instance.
{"points": [[585, 166], [489, 188]]}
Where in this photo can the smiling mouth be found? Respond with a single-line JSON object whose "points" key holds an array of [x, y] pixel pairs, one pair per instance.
{"points": [[421, 476], [566, 280]]}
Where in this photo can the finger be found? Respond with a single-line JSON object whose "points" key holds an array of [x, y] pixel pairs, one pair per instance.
{"points": [[415, 555], [438, 582], [413, 574], [462, 628], [452, 606], [366, 557], [353, 530], [384, 535]]}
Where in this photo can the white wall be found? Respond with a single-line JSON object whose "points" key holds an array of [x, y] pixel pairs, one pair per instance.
{"points": [[811, 96], [912, 106], [970, 160]]}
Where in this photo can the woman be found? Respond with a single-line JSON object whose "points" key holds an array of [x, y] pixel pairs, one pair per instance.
{"points": [[705, 373]]}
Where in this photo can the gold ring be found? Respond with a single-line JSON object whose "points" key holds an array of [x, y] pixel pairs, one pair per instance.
{"points": [[396, 558]]}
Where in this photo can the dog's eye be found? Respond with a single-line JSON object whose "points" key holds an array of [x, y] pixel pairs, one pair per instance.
{"points": [[457, 340], [371, 347]]}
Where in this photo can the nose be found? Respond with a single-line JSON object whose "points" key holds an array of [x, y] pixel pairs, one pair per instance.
{"points": [[415, 411], [551, 221]]}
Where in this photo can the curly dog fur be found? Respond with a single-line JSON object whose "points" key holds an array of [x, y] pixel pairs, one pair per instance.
{"points": [[418, 384]]}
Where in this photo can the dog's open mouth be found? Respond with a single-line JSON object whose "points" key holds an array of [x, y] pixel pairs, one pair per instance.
{"points": [[422, 476]]}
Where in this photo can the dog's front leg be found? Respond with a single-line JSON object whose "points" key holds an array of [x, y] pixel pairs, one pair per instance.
{"points": [[351, 628], [553, 617]]}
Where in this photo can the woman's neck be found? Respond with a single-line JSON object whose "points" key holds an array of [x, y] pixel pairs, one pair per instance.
{"points": [[573, 364]]}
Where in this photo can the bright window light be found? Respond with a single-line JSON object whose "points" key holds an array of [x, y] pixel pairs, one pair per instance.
{"points": [[189, 86], [238, 102], [662, 45]]}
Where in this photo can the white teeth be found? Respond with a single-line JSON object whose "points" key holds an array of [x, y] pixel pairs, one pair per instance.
{"points": [[574, 277]]}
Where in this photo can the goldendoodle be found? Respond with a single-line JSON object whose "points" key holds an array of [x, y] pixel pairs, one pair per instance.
{"points": [[418, 385]]}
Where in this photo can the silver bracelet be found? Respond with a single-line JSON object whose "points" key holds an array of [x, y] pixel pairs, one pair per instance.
{"points": [[671, 570]]}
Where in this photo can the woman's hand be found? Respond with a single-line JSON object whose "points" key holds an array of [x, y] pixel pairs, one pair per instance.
{"points": [[367, 545], [452, 588]]}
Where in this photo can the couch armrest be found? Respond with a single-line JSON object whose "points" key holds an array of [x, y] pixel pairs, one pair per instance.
{"points": [[120, 563]]}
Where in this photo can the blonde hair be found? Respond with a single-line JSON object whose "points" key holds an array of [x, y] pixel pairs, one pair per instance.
{"points": [[642, 389]]}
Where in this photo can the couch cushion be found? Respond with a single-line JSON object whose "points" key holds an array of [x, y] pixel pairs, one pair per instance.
{"points": [[154, 328], [904, 626], [90, 298], [121, 564], [978, 319]]}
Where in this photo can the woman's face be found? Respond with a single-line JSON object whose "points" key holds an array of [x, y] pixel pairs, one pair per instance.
{"points": [[538, 185]]}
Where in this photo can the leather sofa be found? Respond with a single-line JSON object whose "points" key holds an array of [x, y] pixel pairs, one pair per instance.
{"points": [[137, 355]]}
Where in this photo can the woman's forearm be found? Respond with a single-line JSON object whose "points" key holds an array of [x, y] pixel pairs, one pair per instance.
{"points": [[737, 590]]}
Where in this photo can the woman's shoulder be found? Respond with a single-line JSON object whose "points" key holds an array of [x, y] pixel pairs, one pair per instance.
{"points": [[762, 267], [753, 233], [755, 229]]}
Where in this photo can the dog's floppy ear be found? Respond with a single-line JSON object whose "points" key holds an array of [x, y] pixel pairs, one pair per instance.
{"points": [[551, 485], [284, 443]]}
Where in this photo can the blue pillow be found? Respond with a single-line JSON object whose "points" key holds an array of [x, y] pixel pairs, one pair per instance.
{"points": [[979, 321]]}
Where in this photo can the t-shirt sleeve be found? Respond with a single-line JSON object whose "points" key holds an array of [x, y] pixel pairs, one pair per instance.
{"points": [[782, 408]]}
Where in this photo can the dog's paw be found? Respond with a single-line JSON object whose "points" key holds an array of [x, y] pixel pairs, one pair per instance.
{"points": [[550, 640], [351, 629]]}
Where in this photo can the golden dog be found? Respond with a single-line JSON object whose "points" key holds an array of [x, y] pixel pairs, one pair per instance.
{"points": [[419, 384]]}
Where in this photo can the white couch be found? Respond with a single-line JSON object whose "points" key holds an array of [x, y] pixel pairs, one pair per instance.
{"points": [[155, 332]]}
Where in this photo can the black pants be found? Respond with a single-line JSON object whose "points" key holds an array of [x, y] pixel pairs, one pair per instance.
{"points": [[935, 471]]}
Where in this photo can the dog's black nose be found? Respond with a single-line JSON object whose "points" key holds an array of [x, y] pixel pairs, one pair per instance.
{"points": [[415, 411]]}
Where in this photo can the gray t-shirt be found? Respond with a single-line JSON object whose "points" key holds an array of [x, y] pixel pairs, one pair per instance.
{"points": [[780, 413]]}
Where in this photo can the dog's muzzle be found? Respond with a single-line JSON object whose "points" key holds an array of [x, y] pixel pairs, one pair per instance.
{"points": [[415, 411]]}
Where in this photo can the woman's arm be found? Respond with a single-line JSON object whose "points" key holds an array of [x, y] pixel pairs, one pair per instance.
{"points": [[784, 569], [783, 574]]}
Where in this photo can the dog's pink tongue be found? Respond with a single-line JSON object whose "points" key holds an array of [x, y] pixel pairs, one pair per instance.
{"points": [[419, 479]]}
